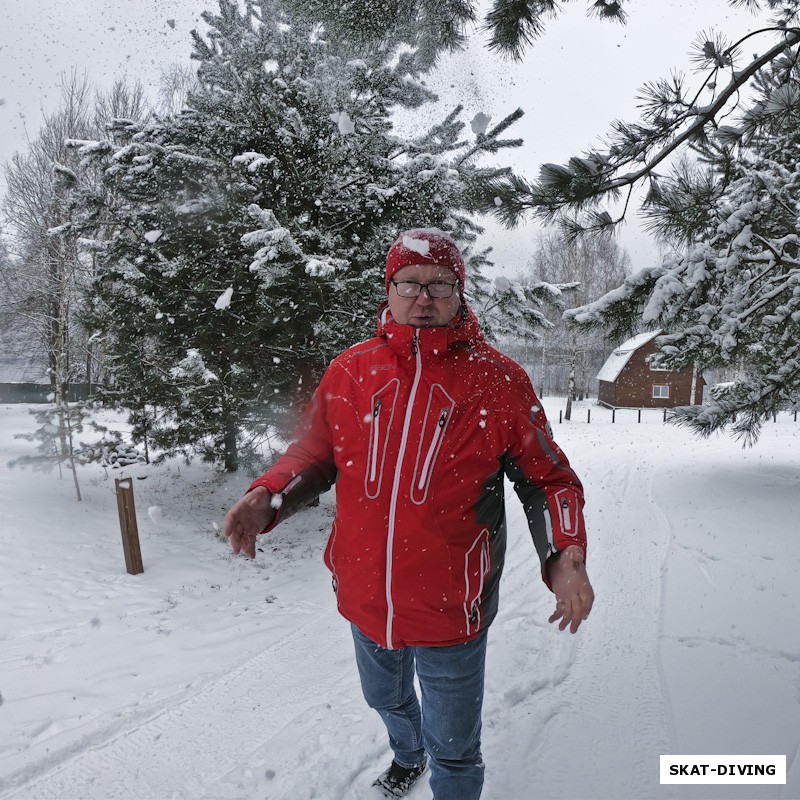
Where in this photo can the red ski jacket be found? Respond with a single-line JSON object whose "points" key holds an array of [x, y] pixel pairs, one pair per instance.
{"points": [[417, 428]]}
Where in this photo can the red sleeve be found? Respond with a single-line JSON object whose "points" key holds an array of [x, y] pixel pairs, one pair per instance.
{"points": [[307, 468]]}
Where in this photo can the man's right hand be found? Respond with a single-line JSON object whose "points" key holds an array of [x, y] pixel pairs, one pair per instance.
{"points": [[247, 518]]}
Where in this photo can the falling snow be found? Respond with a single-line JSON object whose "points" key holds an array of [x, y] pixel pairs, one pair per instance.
{"points": [[224, 300]]}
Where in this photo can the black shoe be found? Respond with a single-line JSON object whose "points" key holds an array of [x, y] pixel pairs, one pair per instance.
{"points": [[397, 780]]}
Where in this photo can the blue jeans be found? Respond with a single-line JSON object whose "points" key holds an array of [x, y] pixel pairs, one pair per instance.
{"points": [[447, 725]]}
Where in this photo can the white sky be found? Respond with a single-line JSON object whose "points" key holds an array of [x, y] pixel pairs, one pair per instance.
{"points": [[572, 83]]}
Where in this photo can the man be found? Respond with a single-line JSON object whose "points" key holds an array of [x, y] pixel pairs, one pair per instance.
{"points": [[418, 427]]}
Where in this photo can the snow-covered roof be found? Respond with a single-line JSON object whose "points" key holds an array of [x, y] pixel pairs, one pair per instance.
{"points": [[619, 358]]}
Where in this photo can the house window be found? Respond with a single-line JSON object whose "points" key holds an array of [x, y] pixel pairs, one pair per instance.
{"points": [[661, 391]]}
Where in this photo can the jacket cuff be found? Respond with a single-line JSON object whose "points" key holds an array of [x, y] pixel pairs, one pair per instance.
{"points": [[553, 556], [275, 493]]}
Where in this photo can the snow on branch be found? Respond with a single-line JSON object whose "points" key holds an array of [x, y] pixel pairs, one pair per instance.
{"points": [[273, 240]]}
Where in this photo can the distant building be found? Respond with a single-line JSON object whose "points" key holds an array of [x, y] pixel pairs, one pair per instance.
{"points": [[22, 380], [628, 381]]}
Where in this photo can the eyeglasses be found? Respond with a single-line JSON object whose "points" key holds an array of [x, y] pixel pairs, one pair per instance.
{"points": [[438, 290]]}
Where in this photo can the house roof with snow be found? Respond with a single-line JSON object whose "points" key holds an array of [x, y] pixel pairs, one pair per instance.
{"points": [[619, 358]]}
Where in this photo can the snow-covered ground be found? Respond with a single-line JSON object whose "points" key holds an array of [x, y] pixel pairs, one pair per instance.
{"points": [[210, 676]]}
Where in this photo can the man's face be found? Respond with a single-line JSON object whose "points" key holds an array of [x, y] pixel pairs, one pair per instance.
{"points": [[423, 311]]}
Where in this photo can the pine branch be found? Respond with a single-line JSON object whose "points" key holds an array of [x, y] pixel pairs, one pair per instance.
{"points": [[603, 9], [584, 180], [515, 24]]}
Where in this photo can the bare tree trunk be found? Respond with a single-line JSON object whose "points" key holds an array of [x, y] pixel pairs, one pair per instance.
{"points": [[231, 449], [573, 362], [88, 373], [64, 419], [61, 359], [544, 367]]}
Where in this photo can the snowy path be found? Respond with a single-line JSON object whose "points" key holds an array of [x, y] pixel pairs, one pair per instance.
{"points": [[211, 677], [548, 702]]}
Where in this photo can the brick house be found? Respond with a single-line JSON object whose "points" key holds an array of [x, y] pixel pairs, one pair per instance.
{"points": [[628, 381]]}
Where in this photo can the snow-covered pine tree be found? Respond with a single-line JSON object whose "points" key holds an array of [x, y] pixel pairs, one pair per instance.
{"points": [[731, 300], [250, 231]]}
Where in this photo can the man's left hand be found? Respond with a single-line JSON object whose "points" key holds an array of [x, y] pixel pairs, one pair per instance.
{"points": [[570, 584]]}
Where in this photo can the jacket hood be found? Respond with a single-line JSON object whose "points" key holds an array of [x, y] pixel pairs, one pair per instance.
{"points": [[463, 328]]}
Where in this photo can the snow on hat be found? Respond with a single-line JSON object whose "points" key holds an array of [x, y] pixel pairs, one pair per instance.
{"points": [[425, 246]]}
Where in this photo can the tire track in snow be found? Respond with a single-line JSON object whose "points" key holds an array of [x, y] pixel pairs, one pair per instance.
{"points": [[593, 721], [183, 749], [325, 751]]}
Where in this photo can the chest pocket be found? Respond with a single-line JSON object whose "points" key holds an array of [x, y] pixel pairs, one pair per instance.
{"points": [[437, 417], [382, 410]]}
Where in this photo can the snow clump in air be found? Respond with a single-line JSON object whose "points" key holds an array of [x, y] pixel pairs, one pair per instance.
{"points": [[421, 246], [479, 123], [342, 119], [153, 236], [224, 300]]}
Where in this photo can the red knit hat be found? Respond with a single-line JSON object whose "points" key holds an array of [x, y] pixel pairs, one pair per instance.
{"points": [[425, 246]]}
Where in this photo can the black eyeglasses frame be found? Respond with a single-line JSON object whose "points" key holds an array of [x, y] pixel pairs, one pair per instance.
{"points": [[426, 288]]}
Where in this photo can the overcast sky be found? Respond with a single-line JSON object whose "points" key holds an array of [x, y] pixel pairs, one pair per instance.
{"points": [[580, 76]]}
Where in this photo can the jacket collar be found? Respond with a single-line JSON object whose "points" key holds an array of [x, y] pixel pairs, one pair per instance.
{"points": [[403, 339]]}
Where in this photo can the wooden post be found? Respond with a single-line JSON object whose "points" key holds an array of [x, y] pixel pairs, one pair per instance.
{"points": [[588, 415], [127, 524], [613, 414], [640, 415]]}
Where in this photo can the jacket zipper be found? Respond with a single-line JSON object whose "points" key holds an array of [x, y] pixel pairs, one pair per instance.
{"points": [[548, 527], [484, 567], [565, 515], [473, 595], [437, 434], [376, 419], [396, 489]]}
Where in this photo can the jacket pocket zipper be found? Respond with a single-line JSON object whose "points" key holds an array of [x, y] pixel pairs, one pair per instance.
{"points": [[376, 420], [437, 435]]}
